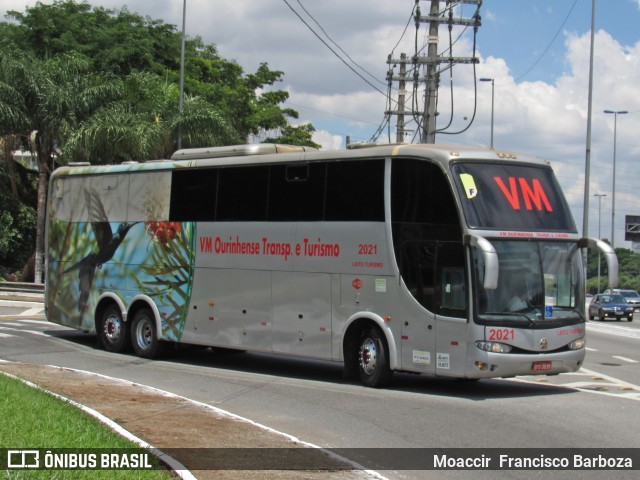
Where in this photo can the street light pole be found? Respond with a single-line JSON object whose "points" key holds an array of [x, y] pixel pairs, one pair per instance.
{"points": [[613, 191], [599, 195], [181, 99], [492, 102]]}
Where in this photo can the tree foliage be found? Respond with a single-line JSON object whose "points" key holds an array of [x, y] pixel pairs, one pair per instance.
{"points": [[87, 83], [628, 271]]}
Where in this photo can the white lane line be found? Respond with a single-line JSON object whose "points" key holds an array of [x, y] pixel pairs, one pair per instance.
{"points": [[614, 330], [625, 359], [599, 383]]}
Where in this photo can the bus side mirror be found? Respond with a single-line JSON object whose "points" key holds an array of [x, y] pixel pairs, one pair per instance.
{"points": [[609, 256], [490, 258]]}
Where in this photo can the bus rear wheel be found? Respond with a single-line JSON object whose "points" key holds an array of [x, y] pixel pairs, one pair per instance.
{"points": [[113, 332], [373, 358], [144, 334]]}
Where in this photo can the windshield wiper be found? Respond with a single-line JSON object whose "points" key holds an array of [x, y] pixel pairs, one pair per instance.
{"points": [[511, 314]]}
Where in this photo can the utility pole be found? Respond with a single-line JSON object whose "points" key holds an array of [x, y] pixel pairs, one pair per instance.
{"points": [[427, 116], [402, 91], [431, 97]]}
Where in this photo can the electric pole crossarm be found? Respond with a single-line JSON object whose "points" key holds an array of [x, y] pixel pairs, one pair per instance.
{"points": [[467, 22], [426, 60]]}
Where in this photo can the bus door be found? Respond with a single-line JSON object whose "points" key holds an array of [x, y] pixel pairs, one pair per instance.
{"points": [[434, 273], [416, 260], [451, 309]]}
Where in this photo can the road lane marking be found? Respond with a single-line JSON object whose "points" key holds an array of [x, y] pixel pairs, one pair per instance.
{"points": [[625, 359], [596, 383], [614, 330]]}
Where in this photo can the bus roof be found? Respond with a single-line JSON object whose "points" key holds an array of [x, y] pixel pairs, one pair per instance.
{"points": [[275, 153]]}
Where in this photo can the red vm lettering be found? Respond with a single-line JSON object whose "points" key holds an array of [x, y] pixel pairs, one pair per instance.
{"points": [[533, 195]]}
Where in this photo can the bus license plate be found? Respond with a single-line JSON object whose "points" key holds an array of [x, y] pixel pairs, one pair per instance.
{"points": [[541, 366]]}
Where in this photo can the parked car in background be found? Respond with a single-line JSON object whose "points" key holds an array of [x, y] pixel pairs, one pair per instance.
{"points": [[631, 296], [607, 306]]}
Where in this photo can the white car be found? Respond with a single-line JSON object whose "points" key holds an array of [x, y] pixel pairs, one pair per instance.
{"points": [[631, 296]]}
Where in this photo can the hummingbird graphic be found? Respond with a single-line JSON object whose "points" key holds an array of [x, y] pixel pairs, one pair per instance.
{"points": [[107, 242]]}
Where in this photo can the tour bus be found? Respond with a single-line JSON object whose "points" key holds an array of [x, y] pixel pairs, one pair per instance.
{"points": [[454, 261]]}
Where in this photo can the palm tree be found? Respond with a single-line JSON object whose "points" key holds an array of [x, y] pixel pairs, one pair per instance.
{"points": [[143, 124], [50, 97]]}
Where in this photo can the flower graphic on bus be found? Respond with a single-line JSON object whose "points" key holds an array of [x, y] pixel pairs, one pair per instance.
{"points": [[163, 232]]}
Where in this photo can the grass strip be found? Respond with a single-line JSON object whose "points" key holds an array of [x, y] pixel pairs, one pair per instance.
{"points": [[33, 419]]}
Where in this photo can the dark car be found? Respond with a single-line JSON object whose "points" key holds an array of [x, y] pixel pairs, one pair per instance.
{"points": [[610, 306]]}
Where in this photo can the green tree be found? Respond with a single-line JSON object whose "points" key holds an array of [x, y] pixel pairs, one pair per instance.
{"points": [[120, 42], [300, 135], [52, 97], [144, 123], [246, 99], [77, 82], [116, 41]]}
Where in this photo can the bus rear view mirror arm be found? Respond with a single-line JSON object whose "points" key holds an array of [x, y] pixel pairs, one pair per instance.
{"points": [[490, 259], [609, 256]]}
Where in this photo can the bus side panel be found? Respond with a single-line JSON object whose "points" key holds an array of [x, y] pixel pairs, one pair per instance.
{"points": [[69, 282], [150, 258], [158, 262], [453, 336], [230, 308], [302, 313], [96, 244]]}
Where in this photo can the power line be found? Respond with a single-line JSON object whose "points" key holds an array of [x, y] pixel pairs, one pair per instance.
{"points": [[338, 46], [548, 45], [333, 51]]}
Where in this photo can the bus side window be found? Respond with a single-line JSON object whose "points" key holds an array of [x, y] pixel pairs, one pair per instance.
{"points": [[296, 193], [242, 194], [355, 191], [193, 195], [453, 291]]}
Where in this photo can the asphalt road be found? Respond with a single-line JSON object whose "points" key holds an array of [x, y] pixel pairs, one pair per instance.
{"points": [[596, 407]]}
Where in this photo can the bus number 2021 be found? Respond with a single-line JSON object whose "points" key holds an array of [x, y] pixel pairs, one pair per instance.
{"points": [[498, 334], [367, 249]]}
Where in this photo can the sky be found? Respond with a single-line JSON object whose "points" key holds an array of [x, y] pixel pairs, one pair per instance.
{"points": [[537, 52]]}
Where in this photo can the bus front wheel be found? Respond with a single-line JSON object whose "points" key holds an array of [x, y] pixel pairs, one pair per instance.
{"points": [[373, 358], [145, 334], [113, 331]]}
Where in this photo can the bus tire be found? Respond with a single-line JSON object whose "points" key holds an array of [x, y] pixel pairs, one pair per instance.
{"points": [[144, 334], [373, 358], [113, 332]]}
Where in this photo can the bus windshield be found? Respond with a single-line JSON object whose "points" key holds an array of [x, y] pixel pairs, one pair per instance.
{"points": [[512, 196], [538, 282]]}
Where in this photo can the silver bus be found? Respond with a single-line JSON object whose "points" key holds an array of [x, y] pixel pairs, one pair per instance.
{"points": [[437, 259]]}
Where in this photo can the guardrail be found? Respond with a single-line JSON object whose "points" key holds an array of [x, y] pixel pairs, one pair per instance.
{"points": [[22, 287], [21, 291]]}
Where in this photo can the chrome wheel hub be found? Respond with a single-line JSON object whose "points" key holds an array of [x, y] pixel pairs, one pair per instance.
{"points": [[368, 356]]}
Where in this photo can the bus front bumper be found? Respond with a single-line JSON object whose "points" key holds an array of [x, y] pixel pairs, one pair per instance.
{"points": [[491, 365]]}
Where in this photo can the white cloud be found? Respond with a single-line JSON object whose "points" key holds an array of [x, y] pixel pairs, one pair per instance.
{"points": [[328, 140]]}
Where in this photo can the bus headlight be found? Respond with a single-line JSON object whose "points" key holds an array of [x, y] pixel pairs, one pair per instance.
{"points": [[493, 347], [577, 344]]}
